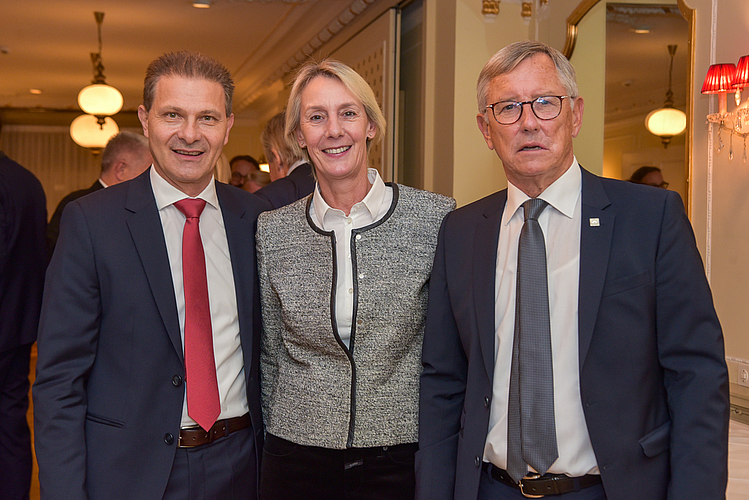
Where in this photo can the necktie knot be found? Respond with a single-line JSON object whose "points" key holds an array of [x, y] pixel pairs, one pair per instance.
{"points": [[191, 207], [533, 208]]}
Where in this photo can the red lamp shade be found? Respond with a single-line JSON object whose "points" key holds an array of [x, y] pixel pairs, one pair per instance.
{"points": [[719, 78], [741, 79]]}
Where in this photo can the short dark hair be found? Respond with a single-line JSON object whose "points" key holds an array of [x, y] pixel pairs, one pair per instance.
{"points": [[122, 142], [641, 172], [245, 158], [187, 65]]}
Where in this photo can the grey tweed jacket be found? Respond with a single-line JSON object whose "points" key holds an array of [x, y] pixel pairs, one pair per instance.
{"points": [[315, 390]]}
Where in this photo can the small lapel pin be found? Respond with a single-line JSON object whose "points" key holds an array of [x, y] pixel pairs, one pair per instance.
{"points": [[594, 222]]}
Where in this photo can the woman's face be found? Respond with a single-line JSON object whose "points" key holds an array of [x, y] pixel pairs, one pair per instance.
{"points": [[334, 128]]}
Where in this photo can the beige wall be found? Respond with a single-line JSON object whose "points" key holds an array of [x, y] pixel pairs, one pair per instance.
{"points": [[589, 60], [457, 151], [720, 187]]}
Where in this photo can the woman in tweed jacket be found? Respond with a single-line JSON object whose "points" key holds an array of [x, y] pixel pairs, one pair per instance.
{"points": [[344, 276]]}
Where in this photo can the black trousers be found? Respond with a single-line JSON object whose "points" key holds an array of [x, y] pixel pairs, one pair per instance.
{"points": [[290, 471], [15, 436]]}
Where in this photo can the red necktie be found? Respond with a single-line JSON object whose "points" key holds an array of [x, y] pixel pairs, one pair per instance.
{"points": [[203, 404]]}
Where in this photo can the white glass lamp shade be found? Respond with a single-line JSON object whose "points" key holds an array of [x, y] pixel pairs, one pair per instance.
{"points": [[100, 99], [87, 133], [666, 122]]}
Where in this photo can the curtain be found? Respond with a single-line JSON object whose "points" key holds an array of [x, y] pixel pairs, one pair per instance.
{"points": [[48, 151]]}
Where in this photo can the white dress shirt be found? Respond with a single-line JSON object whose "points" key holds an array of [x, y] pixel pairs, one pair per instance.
{"points": [[372, 208], [560, 223], [227, 349]]}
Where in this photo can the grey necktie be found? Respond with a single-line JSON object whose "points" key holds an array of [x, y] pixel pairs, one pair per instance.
{"points": [[531, 437]]}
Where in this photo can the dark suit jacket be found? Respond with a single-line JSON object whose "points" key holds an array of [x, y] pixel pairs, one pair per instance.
{"points": [[653, 378], [109, 387], [53, 228], [286, 190], [23, 255]]}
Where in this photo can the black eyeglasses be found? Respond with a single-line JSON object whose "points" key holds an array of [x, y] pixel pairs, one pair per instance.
{"points": [[545, 107]]}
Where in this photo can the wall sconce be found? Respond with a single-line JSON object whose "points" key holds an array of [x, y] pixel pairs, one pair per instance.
{"points": [[721, 79]]}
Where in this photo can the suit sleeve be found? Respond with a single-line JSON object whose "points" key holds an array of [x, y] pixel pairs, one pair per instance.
{"points": [[68, 335], [691, 353], [443, 385]]}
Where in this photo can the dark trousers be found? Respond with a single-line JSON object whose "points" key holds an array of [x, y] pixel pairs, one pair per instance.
{"points": [[291, 472], [224, 469], [15, 436], [490, 489]]}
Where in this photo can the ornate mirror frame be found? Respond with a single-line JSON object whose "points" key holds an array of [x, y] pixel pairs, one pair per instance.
{"points": [[688, 13]]}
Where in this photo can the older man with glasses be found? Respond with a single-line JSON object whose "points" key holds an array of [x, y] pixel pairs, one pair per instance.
{"points": [[571, 347]]}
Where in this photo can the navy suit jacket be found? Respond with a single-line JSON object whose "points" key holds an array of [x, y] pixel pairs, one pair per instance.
{"points": [[653, 378], [109, 386], [286, 190], [23, 255]]}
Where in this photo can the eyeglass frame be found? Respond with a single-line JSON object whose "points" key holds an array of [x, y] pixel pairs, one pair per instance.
{"points": [[522, 107]]}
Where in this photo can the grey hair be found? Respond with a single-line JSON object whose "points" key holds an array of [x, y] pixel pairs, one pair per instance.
{"points": [[123, 142], [509, 57]]}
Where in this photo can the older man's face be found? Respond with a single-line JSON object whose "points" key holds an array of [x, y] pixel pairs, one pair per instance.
{"points": [[534, 152]]}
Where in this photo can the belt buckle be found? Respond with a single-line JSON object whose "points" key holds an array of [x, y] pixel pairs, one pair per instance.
{"points": [[531, 476]]}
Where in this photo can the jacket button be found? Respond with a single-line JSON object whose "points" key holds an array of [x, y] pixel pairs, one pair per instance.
{"points": [[487, 401], [176, 381], [477, 461], [168, 438]]}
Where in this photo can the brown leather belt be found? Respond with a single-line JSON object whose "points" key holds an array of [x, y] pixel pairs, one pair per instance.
{"points": [[536, 486], [195, 436]]}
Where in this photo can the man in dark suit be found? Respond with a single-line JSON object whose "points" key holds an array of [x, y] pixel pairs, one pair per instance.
{"points": [[125, 157], [120, 409], [291, 177], [23, 260], [638, 392]]}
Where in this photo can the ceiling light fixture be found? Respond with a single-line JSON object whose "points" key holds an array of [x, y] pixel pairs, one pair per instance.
{"points": [[202, 4], [88, 133], [721, 79], [666, 122], [99, 99]]}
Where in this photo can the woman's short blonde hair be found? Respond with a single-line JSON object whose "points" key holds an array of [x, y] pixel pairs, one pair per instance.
{"points": [[354, 83]]}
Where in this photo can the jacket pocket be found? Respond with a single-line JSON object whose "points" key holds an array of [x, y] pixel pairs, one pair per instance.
{"points": [[618, 285], [91, 417], [656, 441]]}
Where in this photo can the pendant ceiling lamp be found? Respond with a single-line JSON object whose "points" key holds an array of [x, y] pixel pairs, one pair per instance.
{"points": [[666, 122], [99, 99], [88, 133]]}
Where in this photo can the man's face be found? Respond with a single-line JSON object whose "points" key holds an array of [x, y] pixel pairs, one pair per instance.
{"points": [[187, 128], [534, 152], [240, 174]]}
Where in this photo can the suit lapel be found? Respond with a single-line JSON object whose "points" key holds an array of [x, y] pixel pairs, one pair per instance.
{"points": [[595, 245], [148, 236], [486, 239]]}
